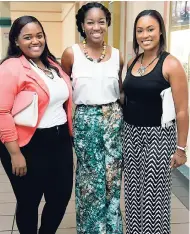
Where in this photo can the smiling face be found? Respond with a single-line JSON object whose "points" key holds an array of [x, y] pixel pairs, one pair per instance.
{"points": [[95, 25], [148, 33], [31, 40]]}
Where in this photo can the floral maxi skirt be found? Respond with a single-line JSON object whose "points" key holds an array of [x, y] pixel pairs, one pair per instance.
{"points": [[98, 147]]}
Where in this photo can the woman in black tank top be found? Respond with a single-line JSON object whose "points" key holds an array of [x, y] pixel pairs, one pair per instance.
{"points": [[148, 146]]}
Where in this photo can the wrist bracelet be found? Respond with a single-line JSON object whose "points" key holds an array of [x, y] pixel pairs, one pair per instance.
{"points": [[181, 148], [181, 155]]}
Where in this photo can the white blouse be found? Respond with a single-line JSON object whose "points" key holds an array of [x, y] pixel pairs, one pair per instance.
{"points": [[55, 114], [95, 83]]}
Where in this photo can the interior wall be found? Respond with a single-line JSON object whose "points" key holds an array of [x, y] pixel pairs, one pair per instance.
{"points": [[4, 27], [49, 14], [68, 25]]}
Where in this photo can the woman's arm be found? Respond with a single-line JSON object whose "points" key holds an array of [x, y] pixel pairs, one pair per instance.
{"points": [[17, 159], [8, 132], [67, 60], [176, 76], [8, 91], [121, 63]]}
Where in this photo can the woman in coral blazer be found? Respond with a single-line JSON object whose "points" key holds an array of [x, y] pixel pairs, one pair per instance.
{"points": [[38, 160]]}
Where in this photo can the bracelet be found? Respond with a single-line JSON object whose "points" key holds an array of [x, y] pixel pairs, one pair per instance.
{"points": [[181, 155], [181, 148]]}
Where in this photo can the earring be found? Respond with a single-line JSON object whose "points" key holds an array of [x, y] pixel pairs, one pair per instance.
{"points": [[83, 30]]}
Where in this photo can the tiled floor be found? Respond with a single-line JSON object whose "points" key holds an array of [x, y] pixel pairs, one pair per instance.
{"points": [[180, 215]]}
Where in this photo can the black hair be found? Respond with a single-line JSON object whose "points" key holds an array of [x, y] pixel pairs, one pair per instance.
{"points": [[80, 16], [156, 15], [15, 52]]}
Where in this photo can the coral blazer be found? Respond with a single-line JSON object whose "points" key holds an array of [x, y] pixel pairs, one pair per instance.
{"points": [[17, 75]]}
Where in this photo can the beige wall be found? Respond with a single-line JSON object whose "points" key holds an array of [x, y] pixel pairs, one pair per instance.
{"points": [[57, 18], [59, 22], [129, 11], [49, 14], [4, 13], [68, 25], [133, 9]]}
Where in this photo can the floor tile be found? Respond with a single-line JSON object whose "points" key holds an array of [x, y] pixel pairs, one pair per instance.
{"points": [[6, 223], [7, 197], [2, 171], [41, 206], [67, 231], [124, 229], [70, 207], [180, 191], [5, 188], [9, 232], [180, 216], [4, 178], [176, 182], [122, 204], [176, 203], [180, 228], [122, 193], [184, 201], [122, 184], [69, 221], [124, 218], [72, 196], [7, 208]]}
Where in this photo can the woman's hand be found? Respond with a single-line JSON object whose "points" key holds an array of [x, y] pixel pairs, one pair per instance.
{"points": [[18, 164], [178, 159]]}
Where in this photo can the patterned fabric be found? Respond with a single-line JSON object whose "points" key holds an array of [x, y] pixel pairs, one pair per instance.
{"points": [[147, 175], [98, 146]]}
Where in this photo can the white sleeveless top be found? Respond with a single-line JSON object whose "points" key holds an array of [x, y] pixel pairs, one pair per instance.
{"points": [[54, 114], [95, 83]]}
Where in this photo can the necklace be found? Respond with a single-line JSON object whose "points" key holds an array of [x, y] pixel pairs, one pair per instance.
{"points": [[47, 71], [142, 69], [103, 54]]}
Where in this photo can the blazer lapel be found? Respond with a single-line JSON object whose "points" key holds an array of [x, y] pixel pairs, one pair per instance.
{"points": [[33, 75]]}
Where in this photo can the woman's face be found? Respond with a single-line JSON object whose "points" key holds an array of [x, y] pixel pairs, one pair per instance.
{"points": [[95, 25], [148, 33], [31, 40]]}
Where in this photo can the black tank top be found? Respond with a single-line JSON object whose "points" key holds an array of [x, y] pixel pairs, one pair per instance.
{"points": [[143, 104]]}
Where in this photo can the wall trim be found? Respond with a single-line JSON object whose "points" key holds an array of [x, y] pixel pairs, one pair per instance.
{"points": [[40, 11], [68, 12], [45, 21]]}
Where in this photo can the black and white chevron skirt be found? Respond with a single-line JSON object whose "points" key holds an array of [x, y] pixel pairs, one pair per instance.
{"points": [[147, 155]]}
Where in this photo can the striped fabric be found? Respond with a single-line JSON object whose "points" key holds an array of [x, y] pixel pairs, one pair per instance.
{"points": [[147, 154]]}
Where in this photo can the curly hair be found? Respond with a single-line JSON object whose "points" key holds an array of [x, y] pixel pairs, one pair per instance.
{"points": [[81, 14]]}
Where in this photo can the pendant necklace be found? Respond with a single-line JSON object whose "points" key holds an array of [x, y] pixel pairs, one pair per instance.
{"points": [[142, 69], [45, 70]]}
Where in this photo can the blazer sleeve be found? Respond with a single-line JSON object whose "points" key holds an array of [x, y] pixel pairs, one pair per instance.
{"points": [[8, 91]]}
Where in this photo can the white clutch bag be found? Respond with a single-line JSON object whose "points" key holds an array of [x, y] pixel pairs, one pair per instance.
{"points": [[25, 109], [168, 108]]}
